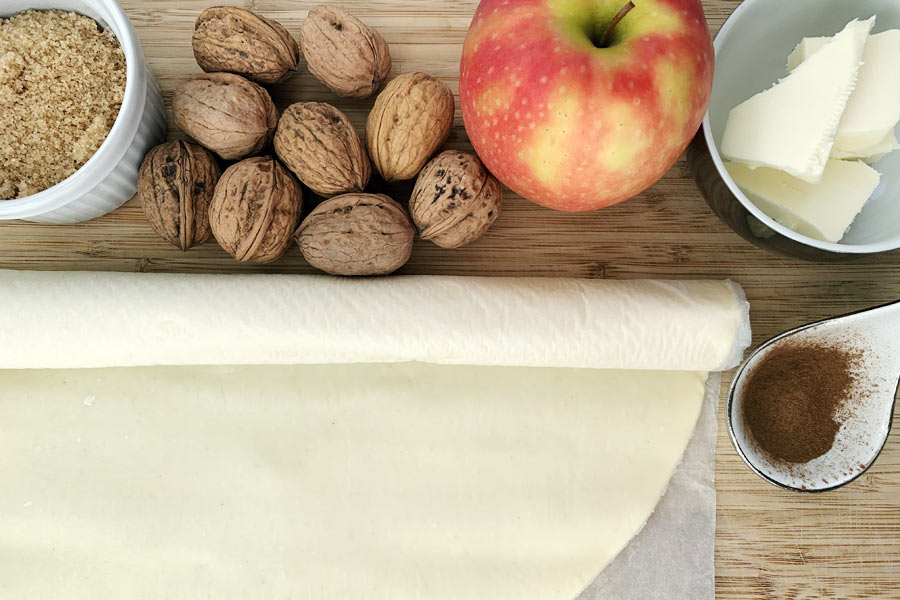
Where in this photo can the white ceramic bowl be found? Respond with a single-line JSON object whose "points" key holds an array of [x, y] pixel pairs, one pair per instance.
{"points": [[751, 53], [109, 178]]}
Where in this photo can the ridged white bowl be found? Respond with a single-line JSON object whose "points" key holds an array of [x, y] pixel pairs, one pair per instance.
{"points": [[109, 178]]}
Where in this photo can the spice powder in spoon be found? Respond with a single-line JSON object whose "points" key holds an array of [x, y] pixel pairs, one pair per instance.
{"points": [[795, 396]]}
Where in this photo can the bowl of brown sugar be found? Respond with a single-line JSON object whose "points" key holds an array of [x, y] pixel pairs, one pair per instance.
{"points": [[79, 109]]}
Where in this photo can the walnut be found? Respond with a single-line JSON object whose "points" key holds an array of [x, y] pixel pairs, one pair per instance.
{"points": [[412, 117], [357, 234], [317, 142], [175, 186], [226, 113], [455, 200], [255, 210], [344, 53], [233, 40]]}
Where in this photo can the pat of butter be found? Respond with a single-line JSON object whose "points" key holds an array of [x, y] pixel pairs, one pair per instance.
{"points": [[806, 48], [874, 108], [791, 126], [823, 211], [872, 153]]}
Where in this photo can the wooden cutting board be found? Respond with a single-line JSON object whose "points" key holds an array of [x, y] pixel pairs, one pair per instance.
{"points": [[770, 544]]}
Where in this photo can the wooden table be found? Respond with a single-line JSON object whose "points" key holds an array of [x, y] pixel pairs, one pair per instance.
{"points": [[770, 544]]}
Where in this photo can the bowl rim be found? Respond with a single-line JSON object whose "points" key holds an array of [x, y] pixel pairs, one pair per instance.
{"points": [[104, 160], [719, 41]]}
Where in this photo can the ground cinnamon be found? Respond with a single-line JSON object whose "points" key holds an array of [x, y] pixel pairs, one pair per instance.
{"points": [[794, 397]]}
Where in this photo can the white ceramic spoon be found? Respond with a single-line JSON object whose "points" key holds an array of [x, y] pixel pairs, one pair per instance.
{"points": [[876, 334]]}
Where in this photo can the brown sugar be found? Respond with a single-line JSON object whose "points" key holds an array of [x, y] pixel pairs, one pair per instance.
{"points": [[794, 398], [62, 82]]}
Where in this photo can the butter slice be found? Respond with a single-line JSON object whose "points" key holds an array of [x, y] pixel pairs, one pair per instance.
{"points": [[791, 126], [823, 211], [872, 153], [806, 48], [874, 108]]}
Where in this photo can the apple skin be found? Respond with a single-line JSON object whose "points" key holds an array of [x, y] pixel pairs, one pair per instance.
{"points": [[572, 126]]}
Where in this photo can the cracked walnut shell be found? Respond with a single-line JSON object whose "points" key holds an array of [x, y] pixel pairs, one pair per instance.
{"points": [[411, 119], [319, 144], [234, 40], [255, 210], [175, 186], [357, 234], [226, 113], [344, 53], [455, 200]]}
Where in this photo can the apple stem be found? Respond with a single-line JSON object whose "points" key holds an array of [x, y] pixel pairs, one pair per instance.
{"points": [[607, 36]]}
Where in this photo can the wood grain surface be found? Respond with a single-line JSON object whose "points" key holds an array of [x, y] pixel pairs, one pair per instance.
{"points": [[770, 544]]}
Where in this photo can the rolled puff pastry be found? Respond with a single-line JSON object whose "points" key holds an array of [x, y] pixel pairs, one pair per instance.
{"points": [[402, 480]]}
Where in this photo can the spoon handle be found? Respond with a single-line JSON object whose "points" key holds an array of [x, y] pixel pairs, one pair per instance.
{"points": [[884, 325]]}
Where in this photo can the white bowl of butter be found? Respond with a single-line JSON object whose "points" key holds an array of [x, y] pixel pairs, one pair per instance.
{"points": [[802, 118]]}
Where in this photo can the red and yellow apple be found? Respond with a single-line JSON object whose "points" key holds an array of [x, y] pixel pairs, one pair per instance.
{"points": [[576, 111]]}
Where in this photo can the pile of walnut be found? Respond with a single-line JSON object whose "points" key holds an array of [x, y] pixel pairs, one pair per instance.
{"points": [[253, 208]]}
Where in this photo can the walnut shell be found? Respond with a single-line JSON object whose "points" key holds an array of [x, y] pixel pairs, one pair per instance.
{"points": [[344, 53], [234, 40], [175, 186], [412, 117], [357, 234], [226, 113], [455, 200], [255, 210], [319, 144]]}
